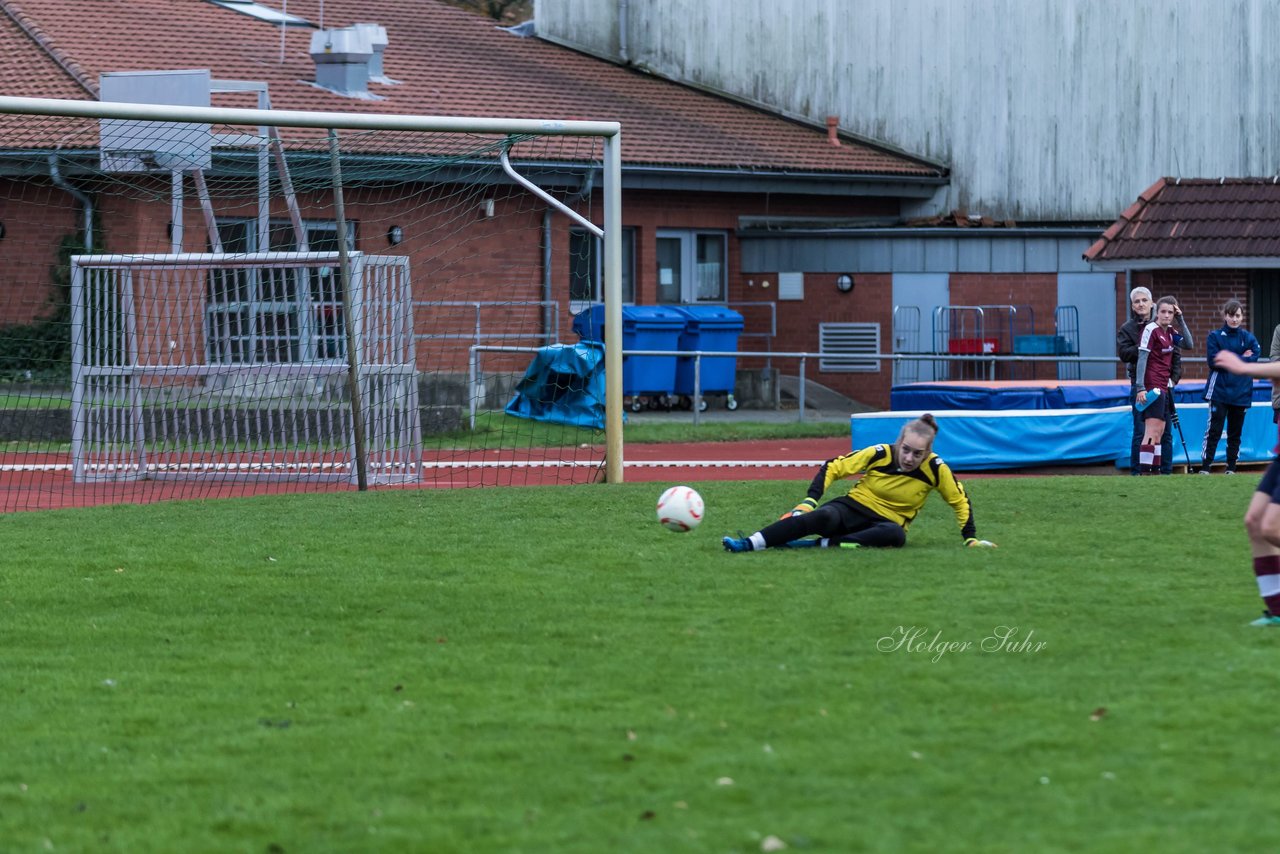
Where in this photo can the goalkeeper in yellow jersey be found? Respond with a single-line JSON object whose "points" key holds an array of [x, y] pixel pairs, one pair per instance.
{"points": [[878, 509]]}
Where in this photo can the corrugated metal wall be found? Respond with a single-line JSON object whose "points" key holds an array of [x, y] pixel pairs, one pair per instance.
{"points": [[1044, 109]]}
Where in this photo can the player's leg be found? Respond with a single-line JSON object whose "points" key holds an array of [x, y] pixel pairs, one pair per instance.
{"points": [[1213, 433], [878, 535], [1262, 524], [1235, 427], [1152, 435], [865, 529], [826, 520]]}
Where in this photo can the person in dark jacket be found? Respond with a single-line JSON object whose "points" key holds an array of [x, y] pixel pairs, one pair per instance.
{"points": [[1229, 395], [1140, 314]]}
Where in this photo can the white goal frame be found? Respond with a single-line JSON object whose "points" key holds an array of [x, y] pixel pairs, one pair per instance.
{"points": [[609, 132]]}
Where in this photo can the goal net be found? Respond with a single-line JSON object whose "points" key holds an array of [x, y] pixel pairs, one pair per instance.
{"points": [[206, 302]]}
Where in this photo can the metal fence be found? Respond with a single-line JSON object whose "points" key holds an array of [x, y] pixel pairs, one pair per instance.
{"points": [[801, 358]]}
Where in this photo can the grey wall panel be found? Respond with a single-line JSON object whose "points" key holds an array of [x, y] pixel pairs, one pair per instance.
{"points": [[884, 254], [940, 256], [874, 256], [974, 256], [1008, 256], [1045, 111], [1041, 255], [1071, 255], [907, 255]]}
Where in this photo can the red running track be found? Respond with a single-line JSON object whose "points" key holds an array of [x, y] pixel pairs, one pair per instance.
{"points": [[43, 481]]}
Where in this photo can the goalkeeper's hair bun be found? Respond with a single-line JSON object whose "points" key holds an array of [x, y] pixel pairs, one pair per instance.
{"points": [[925, 426]]}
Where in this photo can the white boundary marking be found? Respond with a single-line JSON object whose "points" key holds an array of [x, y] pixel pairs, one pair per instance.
{"points": [[288, 467]]}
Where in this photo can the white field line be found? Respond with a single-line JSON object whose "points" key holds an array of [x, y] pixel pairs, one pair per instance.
{"points": [[290, 467]]}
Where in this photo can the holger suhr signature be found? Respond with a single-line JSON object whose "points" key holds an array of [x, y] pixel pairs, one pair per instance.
{"points": [[921, 640]]}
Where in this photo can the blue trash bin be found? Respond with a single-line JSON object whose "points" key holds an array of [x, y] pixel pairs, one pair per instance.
{"points": [[709, 328], [644, 327]]}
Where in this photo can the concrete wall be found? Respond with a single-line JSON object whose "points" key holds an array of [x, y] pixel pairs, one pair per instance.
{"points": [[1045, 111]]}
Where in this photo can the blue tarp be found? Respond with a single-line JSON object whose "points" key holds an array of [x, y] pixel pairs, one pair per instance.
{"points": [[564, 384], [1049, 395], [978, 441]]}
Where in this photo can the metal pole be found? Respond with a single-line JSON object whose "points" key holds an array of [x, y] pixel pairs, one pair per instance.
{"points": [[697, 388], [800, 394], [473, 372], [613, 307], [353, 357]]}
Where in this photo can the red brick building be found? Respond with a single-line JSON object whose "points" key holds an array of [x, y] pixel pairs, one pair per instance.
{"points": [[695, 166]]}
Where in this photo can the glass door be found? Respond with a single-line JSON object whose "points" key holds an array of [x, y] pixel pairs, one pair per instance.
{"points": [[691, 266]]}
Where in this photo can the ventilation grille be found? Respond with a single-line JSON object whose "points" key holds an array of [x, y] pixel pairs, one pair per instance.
{"points": [[848, 339]]}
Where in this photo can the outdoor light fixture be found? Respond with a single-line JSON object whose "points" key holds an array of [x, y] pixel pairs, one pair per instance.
{"points": [[395, 234], [844, 283]]}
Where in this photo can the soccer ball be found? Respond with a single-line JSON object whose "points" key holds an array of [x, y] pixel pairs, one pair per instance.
{"points": [[680, 509]]}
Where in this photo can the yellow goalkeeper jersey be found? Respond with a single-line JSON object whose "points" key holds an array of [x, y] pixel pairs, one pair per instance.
{"points": [[889, 492]]}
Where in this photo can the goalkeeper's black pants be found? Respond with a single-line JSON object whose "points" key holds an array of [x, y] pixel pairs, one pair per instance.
{"points": [[843, 520]]}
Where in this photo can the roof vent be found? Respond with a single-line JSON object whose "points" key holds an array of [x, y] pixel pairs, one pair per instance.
{"points": [[342, 61], [378, 41], [833, 130]]}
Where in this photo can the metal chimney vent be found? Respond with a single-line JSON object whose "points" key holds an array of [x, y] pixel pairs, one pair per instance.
{"points": [[342, 61], [378, 40]]}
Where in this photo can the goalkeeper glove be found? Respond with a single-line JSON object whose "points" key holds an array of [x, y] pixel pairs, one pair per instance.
{"points": [[803, 507], [975, 543]]}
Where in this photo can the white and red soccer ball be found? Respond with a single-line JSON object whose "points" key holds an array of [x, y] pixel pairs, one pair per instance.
{"points": [[680, 509]]}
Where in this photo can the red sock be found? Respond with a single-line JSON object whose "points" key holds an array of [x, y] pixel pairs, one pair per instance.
{"points": [[1146, 456], [1267, 571]]}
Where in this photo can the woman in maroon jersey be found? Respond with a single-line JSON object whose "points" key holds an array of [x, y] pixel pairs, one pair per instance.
{"points": [[1155, 359]]}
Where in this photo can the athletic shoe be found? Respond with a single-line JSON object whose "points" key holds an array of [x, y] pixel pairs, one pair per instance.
{"points": [[851, 545], [1203, 471], [737, 544], [804, 544], [1229, 471], [1267, 619]]}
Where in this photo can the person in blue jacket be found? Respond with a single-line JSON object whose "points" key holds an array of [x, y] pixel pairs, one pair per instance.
{"points": [[1229, 394]]}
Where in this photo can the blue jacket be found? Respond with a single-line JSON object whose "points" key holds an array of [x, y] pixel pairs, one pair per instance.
{"points": [[1222, 387]]}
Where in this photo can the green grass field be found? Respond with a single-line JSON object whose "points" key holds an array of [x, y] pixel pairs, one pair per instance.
{"points": [[545, 669]]}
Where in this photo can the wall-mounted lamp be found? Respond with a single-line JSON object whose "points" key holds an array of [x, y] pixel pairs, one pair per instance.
{"points": [[844, 283], [486, 208], [395, 234]]}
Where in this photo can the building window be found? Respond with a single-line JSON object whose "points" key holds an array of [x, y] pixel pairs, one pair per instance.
{"points": [[586, 268], [691, 266], [275, 316]]}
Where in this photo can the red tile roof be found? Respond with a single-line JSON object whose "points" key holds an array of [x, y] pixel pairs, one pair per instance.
{"points": [[449, 62], [28, 70], [1188, 218]]}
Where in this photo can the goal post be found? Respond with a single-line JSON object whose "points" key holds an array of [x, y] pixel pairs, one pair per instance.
{"points": [[219, 293]]}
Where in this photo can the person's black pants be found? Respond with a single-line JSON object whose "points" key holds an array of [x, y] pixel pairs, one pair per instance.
{"points": [[1233, 417]]}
